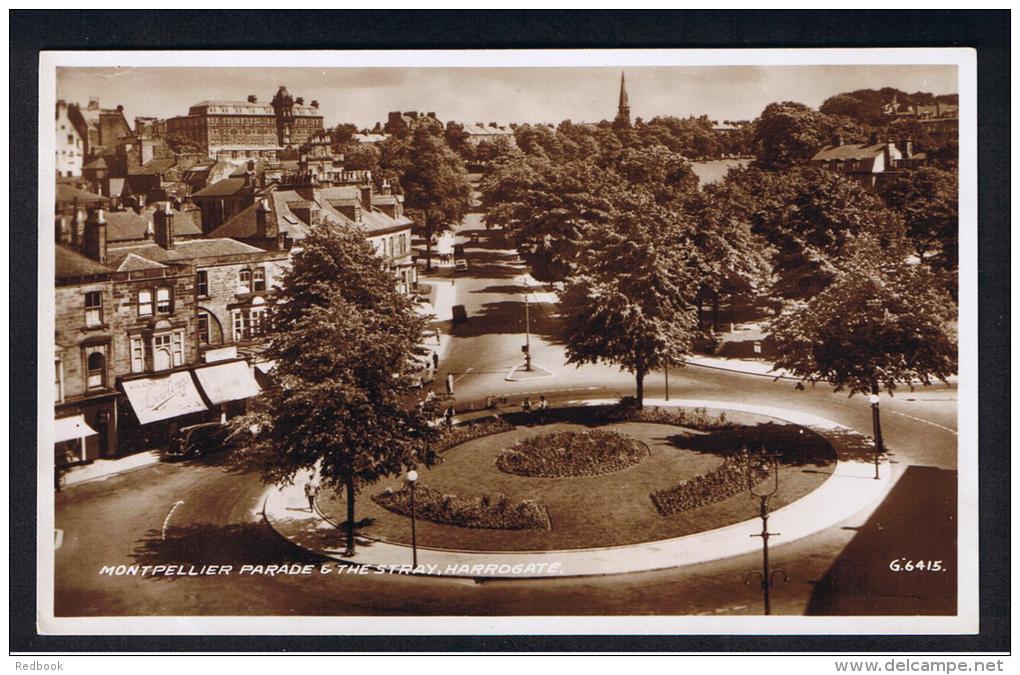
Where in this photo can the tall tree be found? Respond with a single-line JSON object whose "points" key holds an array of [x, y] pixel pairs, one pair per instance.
{"points": [[927, 199], [812, 217], [629, 304], [343, 340], [433, 181], [876, 326]]}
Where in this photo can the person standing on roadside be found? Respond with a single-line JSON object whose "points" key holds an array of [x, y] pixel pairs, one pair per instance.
{"points": [[543, 408], [311, 491]]}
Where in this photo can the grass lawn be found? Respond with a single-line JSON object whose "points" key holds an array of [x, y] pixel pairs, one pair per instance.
{"points": [[597, 511]]}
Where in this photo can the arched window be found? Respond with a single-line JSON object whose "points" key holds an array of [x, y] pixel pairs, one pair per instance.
{"points": [[96, 365]]}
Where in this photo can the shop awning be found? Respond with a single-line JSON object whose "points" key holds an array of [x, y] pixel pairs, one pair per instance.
{"points": [[223, 382], [161, 398], [71, 428]]}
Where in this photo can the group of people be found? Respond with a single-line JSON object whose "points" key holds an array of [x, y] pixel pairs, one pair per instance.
{"points": [[543, 407]]}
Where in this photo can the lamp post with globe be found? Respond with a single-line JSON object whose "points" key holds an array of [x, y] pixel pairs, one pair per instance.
{"points": [[412, 479], [763, 482]]}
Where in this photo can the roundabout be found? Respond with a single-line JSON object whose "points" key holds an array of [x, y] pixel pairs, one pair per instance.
{"points": [[606, 523]]}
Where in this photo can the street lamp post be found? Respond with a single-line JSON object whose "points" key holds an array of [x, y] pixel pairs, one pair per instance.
{"points": [[876, 426], [766, 464], [412, 479], [527, 329], [667, 381]]}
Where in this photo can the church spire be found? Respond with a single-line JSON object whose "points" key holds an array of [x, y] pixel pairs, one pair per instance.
{"points": [[623, 112]]}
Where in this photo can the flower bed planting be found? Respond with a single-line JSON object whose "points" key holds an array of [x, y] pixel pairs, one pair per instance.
{"points": [[729, 479], [462, 433], [497, 513], [566, 454], [696, 418]]}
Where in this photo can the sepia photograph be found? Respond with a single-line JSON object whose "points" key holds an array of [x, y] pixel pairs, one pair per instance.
{"points": [[583, 341]]}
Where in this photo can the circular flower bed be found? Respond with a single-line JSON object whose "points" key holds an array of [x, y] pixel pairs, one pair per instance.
{"points": [[571, 453], [447, 509]]}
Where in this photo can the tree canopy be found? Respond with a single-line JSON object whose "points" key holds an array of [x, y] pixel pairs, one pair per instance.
{"points": [[874, 327], [343, 341], [432, 179]]}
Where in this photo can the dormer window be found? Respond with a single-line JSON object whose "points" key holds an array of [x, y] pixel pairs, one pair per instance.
{"points": [[260, 279]]}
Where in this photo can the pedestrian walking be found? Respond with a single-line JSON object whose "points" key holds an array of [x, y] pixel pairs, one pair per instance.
{"points": [[449, 384], [311, 491], [543, 408], [526, 407], [448, 416], [435, 361]]}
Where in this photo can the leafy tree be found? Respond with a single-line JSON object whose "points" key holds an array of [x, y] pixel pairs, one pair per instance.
{"points": [[362, 156], [874, 327], [180, 145], [812, 218], [789, 134], [340, 410], [927, 201], [666, 174], [627, 305], [551, 210], [433, 181]]}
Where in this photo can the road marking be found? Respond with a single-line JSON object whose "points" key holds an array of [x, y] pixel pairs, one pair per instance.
{"points": [[166, 520], [463, 374], [58, 538], [918, 419]]}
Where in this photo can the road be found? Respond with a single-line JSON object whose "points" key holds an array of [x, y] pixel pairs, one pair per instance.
{"points": [[200, 512]]}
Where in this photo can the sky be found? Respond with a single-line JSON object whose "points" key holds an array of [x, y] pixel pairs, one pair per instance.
{"points": [[363, 96]]}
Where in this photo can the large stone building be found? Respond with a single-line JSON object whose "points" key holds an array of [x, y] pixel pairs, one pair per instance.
{"points": [[238, 130]]}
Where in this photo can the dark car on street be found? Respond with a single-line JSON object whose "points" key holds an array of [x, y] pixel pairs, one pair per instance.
{"points": [[197, 440]]}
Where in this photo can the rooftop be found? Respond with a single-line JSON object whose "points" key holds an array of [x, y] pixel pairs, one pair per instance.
{"points": [[183, 250], [71, 265]]}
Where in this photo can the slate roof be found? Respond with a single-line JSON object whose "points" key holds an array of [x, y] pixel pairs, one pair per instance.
{"points": [[66, 194], [71, 265], [222, 188], [131, 226], [183, 250], [159, 165]]}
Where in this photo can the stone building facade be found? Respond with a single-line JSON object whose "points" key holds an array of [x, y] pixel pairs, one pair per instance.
{"points": [[238, 130]]}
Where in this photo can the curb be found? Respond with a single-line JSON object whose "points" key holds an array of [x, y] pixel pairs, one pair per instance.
{"points": [[720, 543]]}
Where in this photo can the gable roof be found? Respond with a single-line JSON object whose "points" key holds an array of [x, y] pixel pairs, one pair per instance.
{"points": [[187, 250], [134, 262], [70, 264]]}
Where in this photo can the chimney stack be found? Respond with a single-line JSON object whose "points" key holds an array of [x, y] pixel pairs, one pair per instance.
{"points": [[366, 197], [164, 225], [95, 235], [252, 98], [837, 140], [264, 229], [908, 148], [873, 139]]}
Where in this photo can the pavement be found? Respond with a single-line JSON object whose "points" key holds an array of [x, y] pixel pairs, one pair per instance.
{"points": [[851, 489], [104, 468]]}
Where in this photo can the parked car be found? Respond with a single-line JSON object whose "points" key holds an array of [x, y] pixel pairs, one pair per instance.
{"points": [[197, 440]]}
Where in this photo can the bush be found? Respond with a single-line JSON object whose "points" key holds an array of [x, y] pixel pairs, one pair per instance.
{"points": [[571, 453], [708, 488], [480, 512], [697, 418], [462, 433]]}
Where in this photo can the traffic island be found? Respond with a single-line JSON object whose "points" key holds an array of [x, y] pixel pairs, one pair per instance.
{"points": [[609, 524]]}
